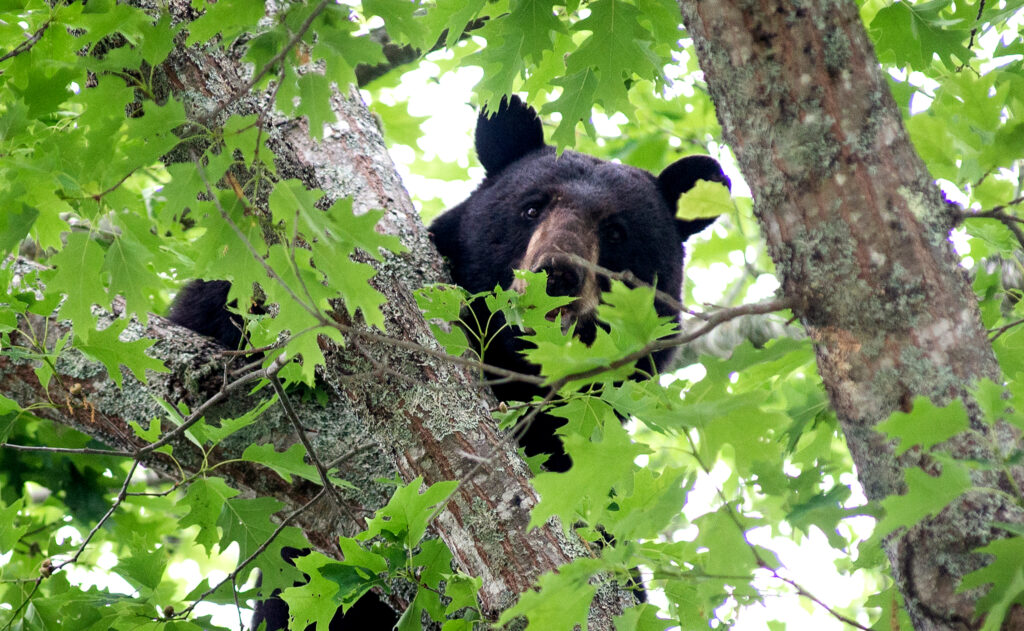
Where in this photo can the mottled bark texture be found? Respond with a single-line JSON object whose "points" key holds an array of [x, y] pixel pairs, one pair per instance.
{"points": [[423, 415], [859, 235]]}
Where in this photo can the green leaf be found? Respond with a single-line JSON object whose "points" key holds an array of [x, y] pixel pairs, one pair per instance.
{"points": [[653, 504], [599, 466], [209, 435], [205, 500], [574, 104], [106, 346], [227, 18], [315, 93], [616, 50], [143, 569], [314, 601], [342, 50], [530, 308], [10, 532], [1003, 574], [926, 495], [453, 16], [728, 553], [247, 522], [642, 617], [401, 21], [127, 261], [358, 556], [704, 200], [284, 463], [523, 35], [909, 35], [462, 591], [75, 277], [441, 301], [925, 425], [408, 512], [561, 600], [15, 225]]}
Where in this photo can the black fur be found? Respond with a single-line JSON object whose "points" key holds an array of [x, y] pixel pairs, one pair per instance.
{"points": [[486, 236], [200, 306]]}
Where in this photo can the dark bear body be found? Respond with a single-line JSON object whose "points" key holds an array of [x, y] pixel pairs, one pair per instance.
{"points": [[200, 306], [535, 207], [531, 210]]}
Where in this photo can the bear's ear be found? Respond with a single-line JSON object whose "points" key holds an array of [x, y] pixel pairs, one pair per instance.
{"points": [[504, 136], [444, 232], [681, 176]]}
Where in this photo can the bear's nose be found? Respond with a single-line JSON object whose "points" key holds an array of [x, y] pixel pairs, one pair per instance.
{"points": [[563, 279]]}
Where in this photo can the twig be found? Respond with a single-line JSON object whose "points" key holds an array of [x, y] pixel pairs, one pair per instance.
{"points": [[682, 338], [974, 31], [630, 279], [764, 565], [260, 550], [1003, 329], [121, 495], [287, 48], [86, 451], [271, 370], [713, 321], [286, 403], [999, 213], [28, 43]]}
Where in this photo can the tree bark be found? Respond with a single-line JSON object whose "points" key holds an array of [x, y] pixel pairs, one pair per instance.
{"points": [[859, 235], [426, 416]]}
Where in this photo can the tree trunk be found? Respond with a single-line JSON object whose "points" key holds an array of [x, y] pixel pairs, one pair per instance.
{"points": [[858, 232], [426, 416]]}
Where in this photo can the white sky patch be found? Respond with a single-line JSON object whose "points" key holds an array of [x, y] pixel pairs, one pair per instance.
{"points": [[710, 283]]}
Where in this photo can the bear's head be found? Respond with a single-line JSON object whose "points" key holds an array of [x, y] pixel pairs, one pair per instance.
{"points": [[539, 211]]}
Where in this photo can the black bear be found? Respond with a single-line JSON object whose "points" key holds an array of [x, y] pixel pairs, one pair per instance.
{"points": [[533, 208]]}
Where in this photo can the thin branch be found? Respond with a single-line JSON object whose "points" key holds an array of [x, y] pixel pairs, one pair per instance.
{"points": [[121, 495], [764, 565], [287, 48], [249, 559], [86, 451], [630, 279], [974, 30], [999, 213], [271, 370], [713, 321], [286, 403], [26, 45], [1003, 329]]}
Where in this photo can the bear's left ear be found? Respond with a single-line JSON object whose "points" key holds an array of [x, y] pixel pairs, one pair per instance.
{"points": [[681, 176], [504, 136]]}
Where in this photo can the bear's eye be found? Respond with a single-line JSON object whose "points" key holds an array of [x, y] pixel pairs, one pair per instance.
{"points": [[533, 206], [614, 233]]}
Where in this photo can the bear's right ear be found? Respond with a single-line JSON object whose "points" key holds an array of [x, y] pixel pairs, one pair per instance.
{"points": [[681, 176], [444, 232], [504, 136]]}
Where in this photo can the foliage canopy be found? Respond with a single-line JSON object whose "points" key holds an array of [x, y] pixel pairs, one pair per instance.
{"points": [[118, 191]]}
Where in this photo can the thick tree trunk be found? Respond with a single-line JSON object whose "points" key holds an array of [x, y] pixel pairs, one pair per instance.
{"points": [[858, 232], [427, 417]]}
